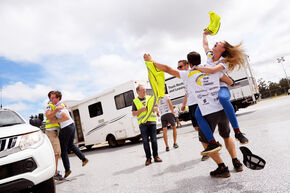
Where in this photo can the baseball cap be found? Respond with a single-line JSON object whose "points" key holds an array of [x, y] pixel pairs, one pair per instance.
{"points": [[252, 161]]}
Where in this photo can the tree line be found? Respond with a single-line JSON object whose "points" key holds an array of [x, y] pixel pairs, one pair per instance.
{"points": [[269, 89]]}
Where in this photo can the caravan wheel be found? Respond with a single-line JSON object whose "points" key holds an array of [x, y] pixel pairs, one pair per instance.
{"points": [[112, 141], [89, 147], [121, 142]]}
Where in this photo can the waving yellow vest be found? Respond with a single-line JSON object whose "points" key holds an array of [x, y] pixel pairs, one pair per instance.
{"points": [[47, 122], [214, 25], [157, 82], [142, 115]]}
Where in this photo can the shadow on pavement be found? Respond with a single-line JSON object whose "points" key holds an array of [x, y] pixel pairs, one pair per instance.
{"points": [[179, 167], [208, 184], [129, 170]]}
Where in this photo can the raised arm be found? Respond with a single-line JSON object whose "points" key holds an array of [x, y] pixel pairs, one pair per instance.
{"points": [[210, 70], [162, 67], [205, 42]]}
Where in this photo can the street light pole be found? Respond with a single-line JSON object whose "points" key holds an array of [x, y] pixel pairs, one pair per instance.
{"points": [[281, 60]]}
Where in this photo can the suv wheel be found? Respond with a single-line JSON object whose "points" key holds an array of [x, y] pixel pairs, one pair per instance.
{"points": [[47, 186]]}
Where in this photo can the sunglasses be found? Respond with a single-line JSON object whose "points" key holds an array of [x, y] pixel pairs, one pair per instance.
{"points": [[179, 67]]}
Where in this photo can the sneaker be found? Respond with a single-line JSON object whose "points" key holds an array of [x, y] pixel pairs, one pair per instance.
{"points": [[175, 145], [58, 177], [241, 138], [148, 161], [220, 172], [204, 157], [211, 148], [67, 173], [238, 166], [85, 162], [157, 159], [167, 149]]}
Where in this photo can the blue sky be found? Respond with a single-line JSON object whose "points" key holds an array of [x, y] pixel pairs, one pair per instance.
{"points": [[84, 47], [11, 71]]}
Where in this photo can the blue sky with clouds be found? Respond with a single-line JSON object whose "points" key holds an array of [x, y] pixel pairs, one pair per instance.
{"points": [[84, 47]]}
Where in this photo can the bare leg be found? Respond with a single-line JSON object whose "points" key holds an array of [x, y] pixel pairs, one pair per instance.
{"points": [[204, 145], [56, 162], [216, 157], [230, 145], [165, 136], [174, 134], [178, 123]]}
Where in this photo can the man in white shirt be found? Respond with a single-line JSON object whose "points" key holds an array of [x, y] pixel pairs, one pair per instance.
{"points": [[205, 88], [189, 101]]}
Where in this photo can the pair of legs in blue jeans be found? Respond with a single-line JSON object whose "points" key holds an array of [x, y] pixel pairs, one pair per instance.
{"points": [[149, 130], [66, 138], [224, 96]]}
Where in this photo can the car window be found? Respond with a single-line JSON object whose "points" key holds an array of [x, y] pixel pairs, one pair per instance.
{"points": [[8, 118]]}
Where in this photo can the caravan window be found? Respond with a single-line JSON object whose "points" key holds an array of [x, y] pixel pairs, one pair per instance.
{"points": [[124, 100], [95, 109]]}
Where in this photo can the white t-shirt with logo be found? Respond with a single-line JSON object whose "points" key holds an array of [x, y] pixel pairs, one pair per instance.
{"points": [[211, 63], [163, 106], [190, 98], [58, 115], [204, 88]]}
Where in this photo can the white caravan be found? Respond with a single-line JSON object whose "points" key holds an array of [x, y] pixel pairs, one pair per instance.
{"points": [[107, 116], [243, 93]]}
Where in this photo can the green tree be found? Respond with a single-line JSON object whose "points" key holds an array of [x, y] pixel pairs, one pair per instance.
{"points": [[284, 83], [262, 85], [273, 86]]}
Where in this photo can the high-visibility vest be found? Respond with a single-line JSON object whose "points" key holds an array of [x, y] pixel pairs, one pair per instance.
{"points": [[139, 105], [47, 122], [157, 82]]}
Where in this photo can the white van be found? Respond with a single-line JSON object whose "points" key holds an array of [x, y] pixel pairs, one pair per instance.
{"points": [[107, 116], [26, 156]]}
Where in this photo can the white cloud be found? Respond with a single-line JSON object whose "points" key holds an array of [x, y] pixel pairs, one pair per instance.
{"points": [[20, 92], [18, 106], [88, 46], [117, 70]]}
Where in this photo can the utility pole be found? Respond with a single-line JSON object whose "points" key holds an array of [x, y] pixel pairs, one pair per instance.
{"points": [[281, 60]]}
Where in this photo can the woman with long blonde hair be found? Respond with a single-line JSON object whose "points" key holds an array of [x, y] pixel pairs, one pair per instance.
{"points": [[224, 57]]}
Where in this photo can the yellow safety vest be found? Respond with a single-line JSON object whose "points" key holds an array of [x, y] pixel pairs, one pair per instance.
{"points": [[139, 105], [214, 25], [47, 122], [157, 82]]}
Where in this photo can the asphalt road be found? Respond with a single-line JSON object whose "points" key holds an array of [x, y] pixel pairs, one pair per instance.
{"points": [[122, 169]]}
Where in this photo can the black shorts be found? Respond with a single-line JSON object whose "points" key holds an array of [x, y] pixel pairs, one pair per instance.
{"points": [[218, 118], [167, 118]]}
